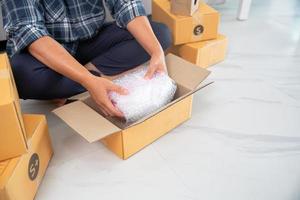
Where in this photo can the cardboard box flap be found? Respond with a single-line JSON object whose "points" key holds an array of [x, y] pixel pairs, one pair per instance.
{"points": [[3, 58], [5, 86], [171, 103], [4, 73], [32, 122], [6, 91], [6, 169], [184, 72], [86, 121], [6, 82]]}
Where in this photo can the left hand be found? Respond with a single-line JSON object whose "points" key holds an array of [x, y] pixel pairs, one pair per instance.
{"points": [[157, 64]]}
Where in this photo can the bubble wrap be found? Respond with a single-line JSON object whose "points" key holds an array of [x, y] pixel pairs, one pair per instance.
{"points": [[145, 96]]}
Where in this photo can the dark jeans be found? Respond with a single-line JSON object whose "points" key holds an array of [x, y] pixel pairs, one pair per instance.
{"points": [[112, 51]]}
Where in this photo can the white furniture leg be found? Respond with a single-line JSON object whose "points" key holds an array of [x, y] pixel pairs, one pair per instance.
{"points": [[244, 9]]}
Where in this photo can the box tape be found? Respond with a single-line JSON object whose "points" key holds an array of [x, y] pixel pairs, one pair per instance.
{"points": [[4, 73]]}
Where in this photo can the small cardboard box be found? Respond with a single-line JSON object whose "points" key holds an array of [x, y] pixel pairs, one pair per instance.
{"points": [[12, 132], [184, 7], [205, 53], [21, 176], [123, 139], [203, 25]]}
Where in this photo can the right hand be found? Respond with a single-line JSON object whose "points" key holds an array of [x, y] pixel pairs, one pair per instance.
{"points": [[99, 88]]}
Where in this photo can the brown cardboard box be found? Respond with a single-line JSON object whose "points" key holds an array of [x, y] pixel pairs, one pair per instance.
{"points": [[125, 140], [184, 7], [205, 53], [12, 133], [21, 176], [203, 25]]}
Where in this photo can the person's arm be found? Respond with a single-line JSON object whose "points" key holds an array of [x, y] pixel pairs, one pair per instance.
{"points": [[52, 54], [27, 30], [131, 15], [141, 29]]}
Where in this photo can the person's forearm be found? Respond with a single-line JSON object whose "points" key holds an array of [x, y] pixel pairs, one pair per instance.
{"points": [[141, 29], [51, 53]]}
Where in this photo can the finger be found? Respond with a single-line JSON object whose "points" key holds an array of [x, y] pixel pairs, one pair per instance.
{"points": [[118, 89], [109, 113], [102, 109], [113, 110], [110, 108], [150, 72], [162, 71], [104, 112]]}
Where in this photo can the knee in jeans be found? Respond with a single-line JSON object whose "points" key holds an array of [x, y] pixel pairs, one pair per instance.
{"points": [[18, 68], [163, 34], [24, 74]]}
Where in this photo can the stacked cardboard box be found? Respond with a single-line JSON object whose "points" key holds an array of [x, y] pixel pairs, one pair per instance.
{"points": [[12, 131], [194, 27], [25, 147]]}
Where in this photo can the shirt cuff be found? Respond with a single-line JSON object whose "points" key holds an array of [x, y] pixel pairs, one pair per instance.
{"points": [[24, 35], [130, 10]]}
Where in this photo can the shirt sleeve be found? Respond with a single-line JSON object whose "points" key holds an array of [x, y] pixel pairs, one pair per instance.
{"points": [[123, 11], [23, 23]]}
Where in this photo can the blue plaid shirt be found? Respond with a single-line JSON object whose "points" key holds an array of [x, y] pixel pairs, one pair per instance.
{"points": [[66, 21]]}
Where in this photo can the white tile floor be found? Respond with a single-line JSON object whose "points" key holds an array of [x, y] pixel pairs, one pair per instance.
{"points": [[242, 143]]}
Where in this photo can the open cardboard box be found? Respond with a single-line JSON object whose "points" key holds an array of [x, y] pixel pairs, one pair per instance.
{"points": [[127, 139]]}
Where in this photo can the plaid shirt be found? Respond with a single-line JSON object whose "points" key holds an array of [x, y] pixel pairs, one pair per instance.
{"points": [[66, 21]]}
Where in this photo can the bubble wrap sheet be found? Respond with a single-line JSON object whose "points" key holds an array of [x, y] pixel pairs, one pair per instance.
{"points": [[145, 96]]}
